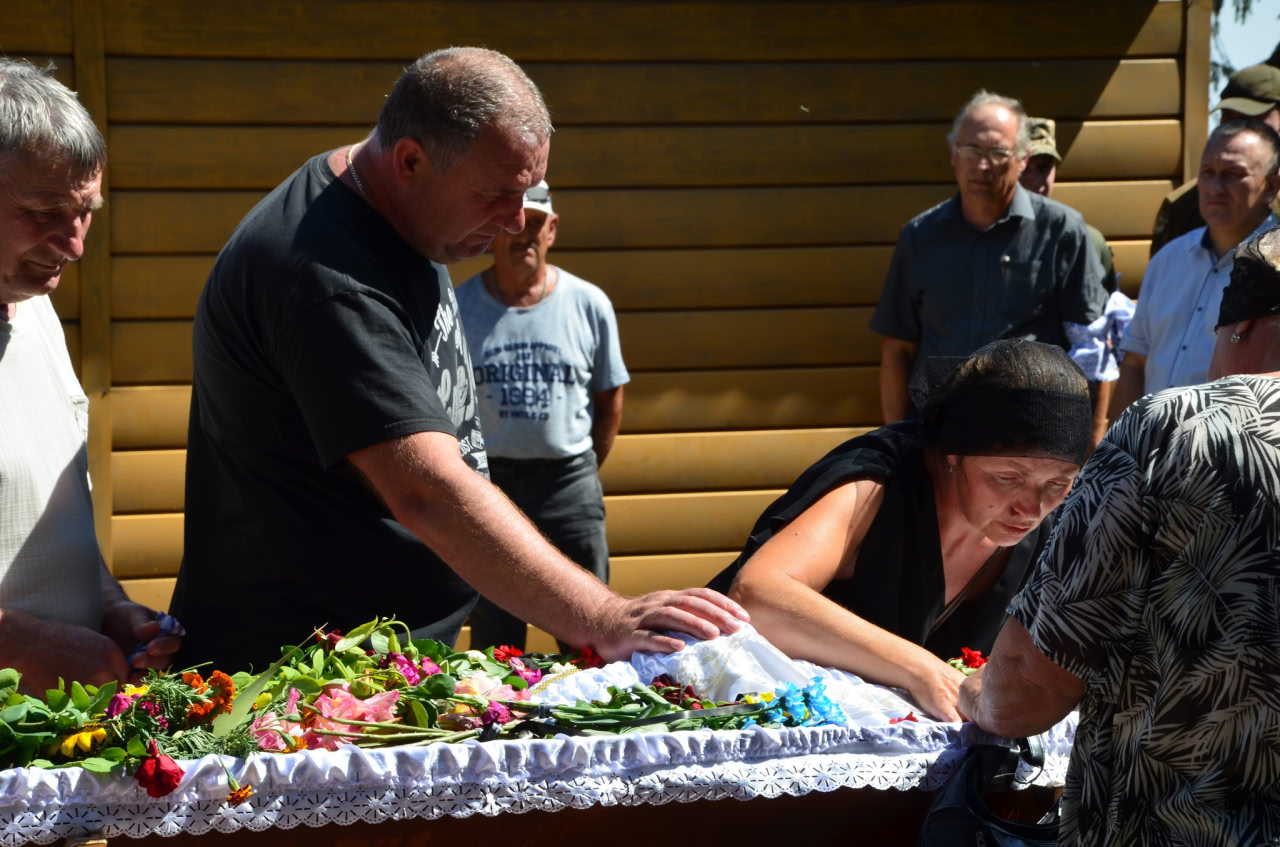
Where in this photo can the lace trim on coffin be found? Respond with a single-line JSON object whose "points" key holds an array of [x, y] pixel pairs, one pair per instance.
{"points": [[316, 788]]}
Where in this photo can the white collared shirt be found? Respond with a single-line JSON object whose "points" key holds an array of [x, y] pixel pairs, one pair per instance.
{"points": [[1178, 305]]}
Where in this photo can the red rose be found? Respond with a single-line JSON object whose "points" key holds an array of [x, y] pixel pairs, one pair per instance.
{"points": [[972, 658], [158, 773]]}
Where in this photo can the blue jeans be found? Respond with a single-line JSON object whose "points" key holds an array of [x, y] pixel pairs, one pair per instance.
{"points": [[564, 500]]}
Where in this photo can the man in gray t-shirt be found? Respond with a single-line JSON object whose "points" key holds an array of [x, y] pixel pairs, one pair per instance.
{"points": [[549, 380]]}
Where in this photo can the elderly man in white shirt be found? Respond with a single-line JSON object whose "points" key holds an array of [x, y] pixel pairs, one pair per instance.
{"points": [[1171, 337]]}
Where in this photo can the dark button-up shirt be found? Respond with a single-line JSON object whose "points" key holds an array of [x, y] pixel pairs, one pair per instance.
{"points": [[953, 288]]}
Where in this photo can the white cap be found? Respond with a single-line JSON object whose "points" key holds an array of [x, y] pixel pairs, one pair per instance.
{"points": [[538, 197]]}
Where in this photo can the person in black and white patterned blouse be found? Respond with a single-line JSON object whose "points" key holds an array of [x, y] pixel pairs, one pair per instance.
{"points": [[1156, 607]]}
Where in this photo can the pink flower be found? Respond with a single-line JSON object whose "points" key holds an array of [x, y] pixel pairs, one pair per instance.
{"points": [[496, 713], [406, 668], [429, 667], [339, 702], [269, 729], [118, 704], [529, 675]]}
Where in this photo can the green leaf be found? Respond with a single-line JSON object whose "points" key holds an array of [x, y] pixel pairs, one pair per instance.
{"points": [[101, 697], [40, 763], [420, 716], [57, 698], [9, 679], [15, 698], [438, 685], [492, 668], [15, 713], [135, 747], [380, 642], [432, 649], [355, 636], [393, 643], [224, 723], [241, 679], [97, 764], [307, 685], [317, 661], [114, 754], [79, 697], [515, 682]]}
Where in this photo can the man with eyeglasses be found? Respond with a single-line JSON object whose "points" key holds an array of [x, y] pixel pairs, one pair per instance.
{"points": [[994, 261], [549, 380]]}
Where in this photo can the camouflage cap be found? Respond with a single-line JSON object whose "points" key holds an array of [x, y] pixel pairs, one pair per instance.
{"points": [[1252, 91], [1042, 141]]}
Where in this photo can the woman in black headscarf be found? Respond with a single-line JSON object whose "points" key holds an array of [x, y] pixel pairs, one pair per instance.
{"points": [[904, 545]]}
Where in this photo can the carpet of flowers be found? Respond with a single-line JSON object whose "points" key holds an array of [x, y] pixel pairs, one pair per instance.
{"points": [[373, 687]]}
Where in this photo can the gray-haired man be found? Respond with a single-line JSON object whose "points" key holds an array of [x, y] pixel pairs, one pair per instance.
{"points": [[61, 613], [994, 261], [336, 467]]}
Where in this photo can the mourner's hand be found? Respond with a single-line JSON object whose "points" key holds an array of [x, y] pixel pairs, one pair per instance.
{"points": [[43, 650], [149, 639], [970, 690], [937, 690], [637, 623]]}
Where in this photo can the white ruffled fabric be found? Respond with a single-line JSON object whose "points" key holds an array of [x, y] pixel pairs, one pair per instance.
{"points": [[318, 787]]}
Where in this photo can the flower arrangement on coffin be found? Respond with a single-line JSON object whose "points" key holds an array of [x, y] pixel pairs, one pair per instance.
{"points": [[335, 690]]}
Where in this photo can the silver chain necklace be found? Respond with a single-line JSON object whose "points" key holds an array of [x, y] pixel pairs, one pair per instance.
{"points": [[355, 175]]}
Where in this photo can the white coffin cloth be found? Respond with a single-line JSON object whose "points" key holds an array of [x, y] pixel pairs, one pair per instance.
{"points": [[318, 787]]}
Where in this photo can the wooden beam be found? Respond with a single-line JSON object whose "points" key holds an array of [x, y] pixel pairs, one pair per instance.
{"points": [[647, 31], [204, 157], [95, 275], [188, 222], [150, 352], [154, 480], [275, 92], [35, 27], [1195, 124], [155, 416]]}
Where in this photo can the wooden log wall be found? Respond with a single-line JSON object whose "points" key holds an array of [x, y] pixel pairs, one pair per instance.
{"points": [[732, 174]]}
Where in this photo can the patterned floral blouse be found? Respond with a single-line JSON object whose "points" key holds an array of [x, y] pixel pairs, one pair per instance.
{"points": [[1161, 591]]}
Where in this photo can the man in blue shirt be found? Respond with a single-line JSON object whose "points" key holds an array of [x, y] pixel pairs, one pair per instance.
{"points": [[1169, 342], [994, 261]]}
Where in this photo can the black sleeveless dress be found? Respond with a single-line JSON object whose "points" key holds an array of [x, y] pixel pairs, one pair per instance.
{"points": [[898, 581]]}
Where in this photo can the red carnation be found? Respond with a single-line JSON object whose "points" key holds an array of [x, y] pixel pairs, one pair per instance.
{"points": [[909, 716], [158, 773], [506, 653], [972, 658]]}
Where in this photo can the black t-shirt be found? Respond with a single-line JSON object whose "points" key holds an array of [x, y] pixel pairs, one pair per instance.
{"points": [[319, 332], [898, 582]]}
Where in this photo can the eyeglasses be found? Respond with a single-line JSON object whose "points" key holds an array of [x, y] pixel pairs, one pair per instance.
{"points": [[995, 156], [537, 194]]}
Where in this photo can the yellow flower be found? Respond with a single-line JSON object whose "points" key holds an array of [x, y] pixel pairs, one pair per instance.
{"points": [[134, 690], [83, 740], [263, 699], [766, 697]]}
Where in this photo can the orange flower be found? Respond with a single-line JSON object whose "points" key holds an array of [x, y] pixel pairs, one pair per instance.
{"points": [[223, 691], [235, 798]]}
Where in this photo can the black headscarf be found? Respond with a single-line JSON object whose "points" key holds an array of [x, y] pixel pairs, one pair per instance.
{"points": [[1009, 397]]}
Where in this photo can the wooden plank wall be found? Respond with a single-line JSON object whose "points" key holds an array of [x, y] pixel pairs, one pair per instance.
{"points": [[732, 174]]}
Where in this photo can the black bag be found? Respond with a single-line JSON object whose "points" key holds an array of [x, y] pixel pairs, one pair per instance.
{"points": [[959, 816]]}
